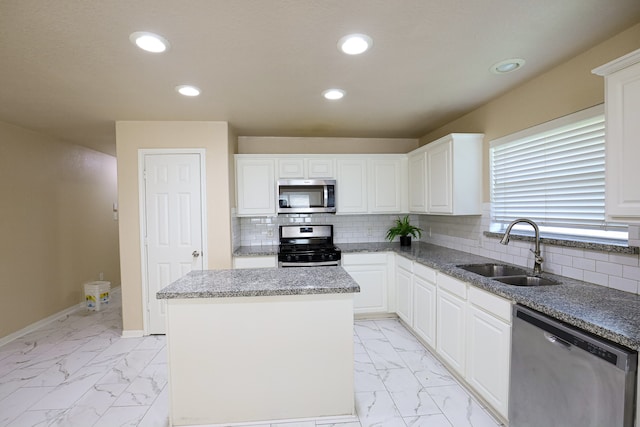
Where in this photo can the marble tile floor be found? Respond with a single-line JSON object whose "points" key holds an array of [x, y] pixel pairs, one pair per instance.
{"points": [[78, 371]]}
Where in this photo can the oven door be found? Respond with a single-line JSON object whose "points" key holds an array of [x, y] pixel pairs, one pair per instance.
{"points": [[285, 264]]}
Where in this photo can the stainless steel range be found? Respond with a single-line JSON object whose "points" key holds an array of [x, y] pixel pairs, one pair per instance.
{"points": [[307, 246]]}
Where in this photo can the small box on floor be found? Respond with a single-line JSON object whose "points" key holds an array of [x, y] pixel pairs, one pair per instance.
{"points": [[96, 294]]}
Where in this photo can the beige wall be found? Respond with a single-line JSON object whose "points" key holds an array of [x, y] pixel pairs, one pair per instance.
{"points": [[56, 225], [565, 89], [293, 145], [218, 140]]}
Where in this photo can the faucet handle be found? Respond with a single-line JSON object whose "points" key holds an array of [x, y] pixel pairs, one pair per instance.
{"points": [[538, 257]]}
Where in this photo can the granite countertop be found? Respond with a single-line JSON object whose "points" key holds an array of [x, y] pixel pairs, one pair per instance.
{"points": [[608, 313], [260, 282]]}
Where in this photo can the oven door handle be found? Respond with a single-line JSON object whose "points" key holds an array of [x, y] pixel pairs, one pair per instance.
{"points": [[309, 264]]}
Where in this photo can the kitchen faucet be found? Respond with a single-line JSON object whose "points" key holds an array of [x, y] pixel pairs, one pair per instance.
{"points": [[537, 266]]}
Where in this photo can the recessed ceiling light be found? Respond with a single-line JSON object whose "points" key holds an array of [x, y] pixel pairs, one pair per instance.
{"points": [[333, 94], [355, 44], [188, 90], [507, 66], [149, 41]]}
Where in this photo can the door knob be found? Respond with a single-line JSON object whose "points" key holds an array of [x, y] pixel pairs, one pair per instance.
{"points": [[195, 254]]}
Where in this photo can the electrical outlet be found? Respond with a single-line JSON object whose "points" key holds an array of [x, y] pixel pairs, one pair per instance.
{"points": [[101, 275], [429, 231], [269, 232], [369, 232]]}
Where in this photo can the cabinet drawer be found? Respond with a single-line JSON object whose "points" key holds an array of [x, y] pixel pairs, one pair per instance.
{"points": [[451, 285], [364, 258], [404, 263], [425, 273], [493, 304]]}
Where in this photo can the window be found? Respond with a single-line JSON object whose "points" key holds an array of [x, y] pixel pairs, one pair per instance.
{"points": [[553, 174]]}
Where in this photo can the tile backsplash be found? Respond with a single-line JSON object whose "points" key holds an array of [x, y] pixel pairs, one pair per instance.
{"points": [[263, 231], [464, 233]]}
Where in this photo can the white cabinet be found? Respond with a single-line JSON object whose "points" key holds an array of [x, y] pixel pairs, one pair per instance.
{"points": [[452, 179], [294, 167], [417, 182], [404, 289], [351, 190], [370, 271], [424, 303], [440, 177], [291, 168], [255, 261], [489, 347], [386, 185], [320, 168], [255, 186], [451, 322], [622, 109]]}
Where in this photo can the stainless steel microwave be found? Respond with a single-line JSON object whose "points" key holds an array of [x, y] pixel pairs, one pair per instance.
{"points": [[306, 196]]}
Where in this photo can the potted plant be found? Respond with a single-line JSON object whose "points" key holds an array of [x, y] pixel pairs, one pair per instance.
{"points": [[405, 230]]}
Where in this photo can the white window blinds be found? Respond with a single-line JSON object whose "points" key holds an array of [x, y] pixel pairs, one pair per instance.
{"points": [[554, 175]]}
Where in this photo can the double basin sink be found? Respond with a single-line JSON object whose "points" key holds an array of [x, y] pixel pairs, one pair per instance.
{"points": [[507, 274]]}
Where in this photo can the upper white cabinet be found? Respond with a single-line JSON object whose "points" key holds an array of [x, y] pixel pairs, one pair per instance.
{"points": [[448, 180], [387, 184], [255, 186], [351, 185], [417, 182], [622, 110], [305, 168]]}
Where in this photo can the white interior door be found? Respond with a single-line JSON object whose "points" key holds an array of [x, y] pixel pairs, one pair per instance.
{"points": [[174, 222]]}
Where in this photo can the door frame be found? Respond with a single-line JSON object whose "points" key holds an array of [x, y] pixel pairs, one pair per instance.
{"points": [[142, 153]]}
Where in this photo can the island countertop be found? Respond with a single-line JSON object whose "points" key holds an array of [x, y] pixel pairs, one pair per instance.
{"points": [[260, 282]]}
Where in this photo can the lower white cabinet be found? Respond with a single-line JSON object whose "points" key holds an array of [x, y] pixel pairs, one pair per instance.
{"points": [[424, 304], [404, 290], [489, 347], [254, 261], [370, 271], [451, 327]]}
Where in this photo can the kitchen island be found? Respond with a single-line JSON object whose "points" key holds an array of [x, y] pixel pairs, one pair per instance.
{"points": [[260, 345]]}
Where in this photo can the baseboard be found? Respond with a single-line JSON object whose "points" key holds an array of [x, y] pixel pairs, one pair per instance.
{"points": [[133, 333], [40, 323]]}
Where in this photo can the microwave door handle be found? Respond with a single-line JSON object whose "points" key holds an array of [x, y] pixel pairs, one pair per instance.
{"points": [[326, 196]]}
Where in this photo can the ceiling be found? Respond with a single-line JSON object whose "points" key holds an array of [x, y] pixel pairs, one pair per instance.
{"points": [[68, 68]]}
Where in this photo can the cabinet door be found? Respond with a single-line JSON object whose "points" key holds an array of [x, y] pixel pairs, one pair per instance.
{"points": [[254, 261], [439, 178], [370, 270], [291, 168], [255, 186], [424, 312], [450, 339], [385, 186], [372, 279], [488, 357], [417, 180], [404, 296], [320, 168], [622, 147], [351, 188]]}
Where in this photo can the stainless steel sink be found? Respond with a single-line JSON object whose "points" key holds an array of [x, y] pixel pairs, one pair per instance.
{"points": [[526, 281], [493, 270]]}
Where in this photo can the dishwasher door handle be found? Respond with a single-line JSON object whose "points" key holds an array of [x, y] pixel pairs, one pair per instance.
{"points": [[555, 340]]}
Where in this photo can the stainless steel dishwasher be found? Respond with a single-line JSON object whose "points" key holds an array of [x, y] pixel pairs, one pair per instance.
{"points": [[562, 376]]}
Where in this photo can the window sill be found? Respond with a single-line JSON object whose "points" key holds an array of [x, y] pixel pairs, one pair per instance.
{"points": [[607, 247]]}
